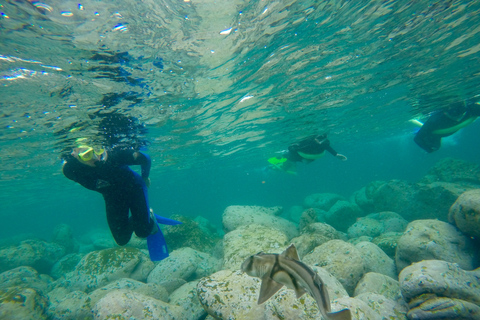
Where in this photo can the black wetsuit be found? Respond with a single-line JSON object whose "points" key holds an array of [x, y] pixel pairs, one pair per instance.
{"points": [[309, 146], [122, 188], [430, 134]]}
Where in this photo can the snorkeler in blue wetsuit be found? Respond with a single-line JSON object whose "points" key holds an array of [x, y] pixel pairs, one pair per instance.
{"points": [[444, 123], [124, 191]]}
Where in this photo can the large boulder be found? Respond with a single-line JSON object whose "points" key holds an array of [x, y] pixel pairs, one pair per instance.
{"points": [[40, 255], [20, 303], [99, 268], [190, 234], [434, 240], [26, 277], [67, 305], [63, 235], [376, 260], [125, 304], [465, 213], [237, 216], [415, 200], [343, 214], [375, 224], [380, 284], [313, 235], [241, 243], [185, 263], [438, 289], [453, 170], [341, 259], [233, 295], [322, 201], [148, 289], [442, 278], [186, 297]]}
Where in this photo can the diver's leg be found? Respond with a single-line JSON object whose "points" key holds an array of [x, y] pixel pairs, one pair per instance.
{"points": [[141, 218], [117, 217]]}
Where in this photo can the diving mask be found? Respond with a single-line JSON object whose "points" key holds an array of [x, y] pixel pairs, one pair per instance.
{"points": [[89, 153]]}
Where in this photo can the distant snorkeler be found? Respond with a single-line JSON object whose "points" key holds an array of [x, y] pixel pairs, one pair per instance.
{"points": [[445, 122], [306, 150], [124, 192]]}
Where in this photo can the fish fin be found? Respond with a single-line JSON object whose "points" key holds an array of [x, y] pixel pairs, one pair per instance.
{"points": [[291, 252], [299, 292], [268, 288], [344, 314]]}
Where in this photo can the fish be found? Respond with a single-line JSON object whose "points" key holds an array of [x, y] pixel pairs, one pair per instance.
{"points": [[286, 269]]}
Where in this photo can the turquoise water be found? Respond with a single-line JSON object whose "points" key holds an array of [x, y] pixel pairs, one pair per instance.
{"points": [[213, 89]]}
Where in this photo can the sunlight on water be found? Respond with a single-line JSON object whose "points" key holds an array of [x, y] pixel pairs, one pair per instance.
{"points": [[224, 78]]}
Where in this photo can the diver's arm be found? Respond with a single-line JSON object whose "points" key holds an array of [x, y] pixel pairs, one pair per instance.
{"points": [[335, 153], [79, 173], [143, 160]]}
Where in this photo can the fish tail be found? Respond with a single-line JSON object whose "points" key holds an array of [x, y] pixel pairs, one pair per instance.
{"points": [[344, 314]]}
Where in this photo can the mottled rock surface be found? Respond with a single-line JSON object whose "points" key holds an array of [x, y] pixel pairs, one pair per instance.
{"points": [[434, 240], [341, 259], [465, 213]]}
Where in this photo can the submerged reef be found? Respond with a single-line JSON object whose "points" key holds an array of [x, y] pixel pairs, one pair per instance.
{"points": [[392, 250]]}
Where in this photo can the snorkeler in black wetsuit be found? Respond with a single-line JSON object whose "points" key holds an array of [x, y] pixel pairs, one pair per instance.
{"points": [[107, 172], [306, 150], [445, 123], [311, 148]]}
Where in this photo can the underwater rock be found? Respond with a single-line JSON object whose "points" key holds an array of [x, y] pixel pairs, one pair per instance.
{"points": [[64, 305], [65, 265], [365, 227], [359, 309], [465, 213], [99, 268], [384, 308], [124, 304], [295, 213], [434, 240], [341, 259], [245, 241], [185, 263], [441, 278], [375, 260], [19, 303], [234, 294], [97, 239], [364, 197], [388, 242], [310, 216], [148, 289], [343, 214], [63, 236], [432, 307], [453, 170], [188, 234], [37, 254], [236, 216], [230, 295], [323, 201], [186, 298], [375, 224], [314, 235], [416, 200], [25, 277], [380, 284]]}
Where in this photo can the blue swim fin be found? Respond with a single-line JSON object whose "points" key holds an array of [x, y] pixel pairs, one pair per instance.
{"points": [[167, 221], [157, 246]]}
